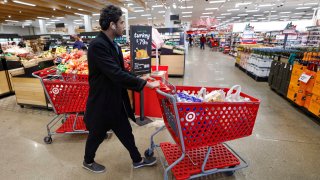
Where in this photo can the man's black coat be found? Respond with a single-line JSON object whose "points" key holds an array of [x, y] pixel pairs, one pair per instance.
{"points": [[108, 82]]}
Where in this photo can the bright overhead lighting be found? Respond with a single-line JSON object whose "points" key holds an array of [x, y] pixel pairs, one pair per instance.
{"points": [[187, 16], [284, 16], [138, 11], [270, 11], [220, 17], [80, 9], [96, 14], [243, 14], [149, 18], [310, 3], [257, 15], [60, 17], [242, 4], [212, 2], [303, 7], [300, 13], [161, 12], [186, 12], [254, 10], [79, 14], [155, 6], [42, 17], [129, 4], [224, 14], [307, 17], [204, 16], [55, 20], [97, 20], [236, 17], [266, 5], [296, 17], [285, 12], [10, 20], [208, 13], [233, 9], [208, 9], [186, 7], [24, 3], [48, 24], [174, 5], [78, 20], [261, 18], [273, 15], [132, 18], [146, 15], [254, 20]]}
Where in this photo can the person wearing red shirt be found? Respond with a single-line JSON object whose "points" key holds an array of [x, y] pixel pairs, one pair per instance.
{"points": [[202, 42]]}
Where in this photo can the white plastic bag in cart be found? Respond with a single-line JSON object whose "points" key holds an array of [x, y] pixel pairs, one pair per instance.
{"points": [[235, 97]]}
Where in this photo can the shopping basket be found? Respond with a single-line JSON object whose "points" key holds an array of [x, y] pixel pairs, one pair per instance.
{"points": [[68, 95], [199, 131]]}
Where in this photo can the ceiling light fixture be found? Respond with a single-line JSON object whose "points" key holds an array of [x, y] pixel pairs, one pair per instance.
{"points": [[204, 16], [79, 14], [132, 17], [186, 7], [10, 20], [208, 9], [187, 12], [161, 12], [233, 10], [266, 5], [242, 4], [55, 20], [24, 3], [257, 15], [208, 13], [155, 6], [42, 17], [146, 15], [213, 2], [174, 5], [243, 14], [303, 7], [187, 16], [138, 11], [310, 3], [80, 9], [254, 10], [96, 14], [285, 12], [78, 20], [224, 14]]}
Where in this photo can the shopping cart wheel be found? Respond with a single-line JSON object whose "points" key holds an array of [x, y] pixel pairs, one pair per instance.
{"points": [[230, 173], [47, 139], [148, 153]]}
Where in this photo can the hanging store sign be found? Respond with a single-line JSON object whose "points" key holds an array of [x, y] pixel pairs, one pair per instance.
{"points": [[141, 41]]}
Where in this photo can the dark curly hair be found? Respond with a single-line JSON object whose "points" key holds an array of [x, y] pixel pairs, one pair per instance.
{"points": [[109, 14]]}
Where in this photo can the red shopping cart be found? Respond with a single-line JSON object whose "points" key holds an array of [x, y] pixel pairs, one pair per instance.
{"points": [[68, 95], [199, 131]]}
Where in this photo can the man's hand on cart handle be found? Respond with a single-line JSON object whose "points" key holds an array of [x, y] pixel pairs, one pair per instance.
{"points": [[153, 84]]}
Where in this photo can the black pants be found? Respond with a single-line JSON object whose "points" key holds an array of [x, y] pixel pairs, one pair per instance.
{"points": [[201, 45], [122, 130]]}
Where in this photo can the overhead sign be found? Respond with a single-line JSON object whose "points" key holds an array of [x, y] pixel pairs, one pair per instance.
{"points": [[141, 41]]}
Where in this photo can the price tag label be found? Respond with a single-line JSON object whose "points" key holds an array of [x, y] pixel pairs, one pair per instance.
{"points": [[304, 78]]}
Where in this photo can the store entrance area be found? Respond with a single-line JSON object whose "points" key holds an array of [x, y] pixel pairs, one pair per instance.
{"points": [[285, 143]]}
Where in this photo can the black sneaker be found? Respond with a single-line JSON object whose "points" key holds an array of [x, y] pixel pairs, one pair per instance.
{"points": [[146, 162], [94, 167]]}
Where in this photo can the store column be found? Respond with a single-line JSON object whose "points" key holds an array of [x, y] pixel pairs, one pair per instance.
{"points": [[87, 23], [1, 27], [71, 27], [126, 16], [168, 23], [43, 28]]}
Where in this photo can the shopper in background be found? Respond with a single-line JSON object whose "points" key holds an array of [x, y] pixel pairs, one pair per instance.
{"points": [[190, 41], [78, 44], [108, 105], [202, 42], [21, 44], [13, 43]]}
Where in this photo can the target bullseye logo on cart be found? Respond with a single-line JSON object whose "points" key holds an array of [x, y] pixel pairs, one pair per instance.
{"points": [[55, 91], [190, 116]]}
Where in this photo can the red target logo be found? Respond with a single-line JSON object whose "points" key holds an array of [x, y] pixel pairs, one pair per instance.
{"points": [[190, 116], [55, 91]]}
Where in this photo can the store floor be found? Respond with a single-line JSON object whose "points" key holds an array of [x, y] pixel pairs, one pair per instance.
{"points": [[285, 143]]}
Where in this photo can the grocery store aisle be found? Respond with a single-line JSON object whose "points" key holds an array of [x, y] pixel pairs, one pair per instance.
{"points": [[285, 143]]}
